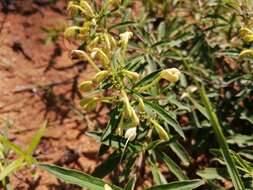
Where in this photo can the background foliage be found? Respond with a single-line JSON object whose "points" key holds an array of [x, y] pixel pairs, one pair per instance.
{"points": [[194, 133]]}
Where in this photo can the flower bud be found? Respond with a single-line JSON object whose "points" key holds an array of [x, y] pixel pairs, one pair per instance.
{"points": [[128, 107], [246, 53], [112, 41], [160, 130], [101, 76], [171, 75], [114, 2], [102, 56], [131, 133], [135, 119], [141, 105], [84, 7], [71, 10], [81, 55], [93, 54], [132, 75], [71, 31], [88, 10], [93, 22], [246, 34], [124, 38], [107, 187], [78, 54], [89, 103], [107, 41], [86, 86]]}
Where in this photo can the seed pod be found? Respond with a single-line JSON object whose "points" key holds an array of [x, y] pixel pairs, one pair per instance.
{"points": [[246, 53], [101, 76], [125, 37], [171, 75], [131, 133], [102, 56], [86, 86], [132, 75], [160, 130]]}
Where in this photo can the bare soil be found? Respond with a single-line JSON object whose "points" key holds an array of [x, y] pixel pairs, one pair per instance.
{"points": [[39, 82]]}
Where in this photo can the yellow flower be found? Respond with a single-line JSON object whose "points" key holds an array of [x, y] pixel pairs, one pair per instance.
{"points": [[86, 86], [107, 187], [246, 34], [101, 76], [171, 75], [125, 37]]}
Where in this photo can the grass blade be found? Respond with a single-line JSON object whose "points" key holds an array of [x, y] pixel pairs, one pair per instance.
{"points": [[36, 138], [15, 165]]}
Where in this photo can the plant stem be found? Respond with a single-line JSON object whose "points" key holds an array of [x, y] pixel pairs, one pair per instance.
{"points": [[236, 179]]}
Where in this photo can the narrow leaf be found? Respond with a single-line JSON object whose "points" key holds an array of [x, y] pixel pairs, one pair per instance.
{"points": [[174, 168], [166, 117], [77, 177], [179, 185]]}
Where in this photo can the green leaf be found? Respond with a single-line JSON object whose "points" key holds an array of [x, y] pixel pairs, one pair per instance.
{"points": [[199, 107], [148, 79], [179, 185], [131, 184], [36, 138], [173, 167], [122, 25], [113, 123], [17, 150], [166, 117], [115, 141], [241, 140], [157, 175], [15, 165], [213, 173], [180, 152], [107, 166], [76, 177]]}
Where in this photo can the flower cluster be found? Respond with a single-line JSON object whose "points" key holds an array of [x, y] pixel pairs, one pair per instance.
{"points": [[106, 53]]}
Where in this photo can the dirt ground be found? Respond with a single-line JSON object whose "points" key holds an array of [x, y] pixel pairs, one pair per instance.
{"points": [[39, 82]]}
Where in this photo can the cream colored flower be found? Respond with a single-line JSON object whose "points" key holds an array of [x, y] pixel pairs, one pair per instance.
{"points": [[171, 75], [107, 187], [131, 133], [125, 37]]}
